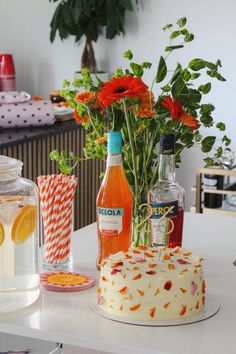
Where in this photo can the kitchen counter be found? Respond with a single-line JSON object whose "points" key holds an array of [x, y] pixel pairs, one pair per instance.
{"points": [[68, 318]]}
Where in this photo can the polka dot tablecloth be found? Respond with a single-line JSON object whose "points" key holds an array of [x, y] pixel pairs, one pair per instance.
{"points": [[26, 114]]}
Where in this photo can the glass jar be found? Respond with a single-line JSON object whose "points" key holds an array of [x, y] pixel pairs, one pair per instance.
{"points": [[19, 209]]}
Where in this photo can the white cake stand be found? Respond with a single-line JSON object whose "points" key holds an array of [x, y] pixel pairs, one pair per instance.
{"points": [[212, 306]]}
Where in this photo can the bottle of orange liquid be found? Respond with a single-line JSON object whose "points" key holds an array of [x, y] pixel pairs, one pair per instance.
{"points": [[114, 204]]}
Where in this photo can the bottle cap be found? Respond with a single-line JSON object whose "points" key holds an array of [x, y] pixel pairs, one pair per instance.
{"points": [[167, 144], [114, 142]]}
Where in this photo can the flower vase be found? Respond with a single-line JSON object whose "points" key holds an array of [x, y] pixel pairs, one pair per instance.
{"points": [[140, 232]]}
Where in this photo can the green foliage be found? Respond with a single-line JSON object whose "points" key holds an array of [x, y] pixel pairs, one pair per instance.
{"points": [[87, 18], [141, 136]]}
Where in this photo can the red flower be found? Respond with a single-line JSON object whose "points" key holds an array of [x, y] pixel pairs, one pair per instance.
{"points": [[177, 112], [119, 87], [80, 119]]}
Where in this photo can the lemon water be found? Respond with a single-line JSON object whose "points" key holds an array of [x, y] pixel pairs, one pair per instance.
{"points": [[19, 279]]}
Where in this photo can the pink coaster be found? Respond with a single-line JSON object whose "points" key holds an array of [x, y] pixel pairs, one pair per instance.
{"points": [[65, 281]]}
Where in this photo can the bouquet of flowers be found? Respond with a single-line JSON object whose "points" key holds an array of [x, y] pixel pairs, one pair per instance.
{"points": [[127, 104]]}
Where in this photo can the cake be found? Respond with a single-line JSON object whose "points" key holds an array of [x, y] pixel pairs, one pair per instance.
{"points": [[152, 284]]}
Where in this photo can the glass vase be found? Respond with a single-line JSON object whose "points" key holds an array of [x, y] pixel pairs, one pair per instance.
{"points": [[140, 232]]}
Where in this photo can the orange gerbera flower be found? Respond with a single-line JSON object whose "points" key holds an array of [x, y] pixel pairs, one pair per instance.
{"points": [[146, 100], [119, 87], [101, 140], [79, 119], [145, 113], [85, 97], [177, 113]]}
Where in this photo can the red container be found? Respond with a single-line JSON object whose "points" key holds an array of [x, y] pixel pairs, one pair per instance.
{"points": [[7, 73]]}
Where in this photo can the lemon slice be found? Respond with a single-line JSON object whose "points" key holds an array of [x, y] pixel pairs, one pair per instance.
{"points": [[2, 234], [24, 224]]}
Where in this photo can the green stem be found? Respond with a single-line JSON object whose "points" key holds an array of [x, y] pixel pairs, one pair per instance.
{"points": [[133, 153], [92, 122]]}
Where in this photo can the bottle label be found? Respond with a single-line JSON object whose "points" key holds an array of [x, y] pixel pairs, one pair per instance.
{"points": [[167, 210], [114, 160], [110, 220], [161, 223]]}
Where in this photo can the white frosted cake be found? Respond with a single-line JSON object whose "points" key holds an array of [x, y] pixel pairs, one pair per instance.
{"points": [[152, 283]]}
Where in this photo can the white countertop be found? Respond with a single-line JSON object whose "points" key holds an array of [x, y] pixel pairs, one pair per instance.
{"points": [[67, 317]]}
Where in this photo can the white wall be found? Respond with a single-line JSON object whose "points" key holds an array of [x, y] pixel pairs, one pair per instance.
{"points": [[42, 66]]}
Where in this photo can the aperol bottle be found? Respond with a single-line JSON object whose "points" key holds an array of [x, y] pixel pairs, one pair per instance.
{"points": [[114, 204], [167, 199]]}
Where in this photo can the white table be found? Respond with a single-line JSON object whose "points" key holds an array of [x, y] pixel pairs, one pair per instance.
{"points": [[67, 317]]}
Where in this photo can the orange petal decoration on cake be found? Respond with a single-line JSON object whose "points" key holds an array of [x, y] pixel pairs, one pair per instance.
{"points": [[197, 305], [135, 307], [203, 286], [136, 252], [152, 312], [151, 272], [99, 290], [166, 305], [123, 290], [168, 285], [166, 257], [117, 264], [135, 268], [152, 265], [142, 247], [183, 290], [186, 254], [147, 254], [203, 300], [138, 276], [171, 266], [183, 310], [103, 278], [140, 292]]}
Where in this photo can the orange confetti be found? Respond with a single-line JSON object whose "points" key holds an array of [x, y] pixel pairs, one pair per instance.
{"points": [[127, 256], [135, 307], [99, 290], [152, 312], [176, 250], [138, 276], [103, 278], [197, 305], [123, 290], [183, 310], [136, 252], [203, 300], [157, 292]]}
